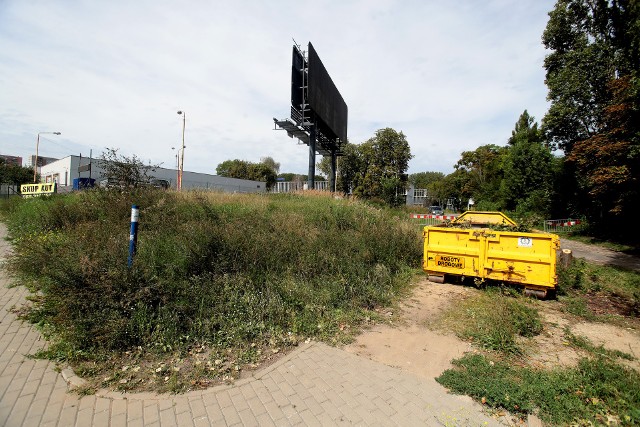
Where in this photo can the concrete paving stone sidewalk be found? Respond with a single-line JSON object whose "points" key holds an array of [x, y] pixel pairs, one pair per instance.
{"points": [[314, 385]]}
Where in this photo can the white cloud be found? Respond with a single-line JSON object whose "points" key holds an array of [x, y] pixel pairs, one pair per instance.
{"points": [[451, 76]]}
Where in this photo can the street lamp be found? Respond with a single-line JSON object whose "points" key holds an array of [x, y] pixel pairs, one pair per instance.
{"points": [[35, 164], [181, 159]]}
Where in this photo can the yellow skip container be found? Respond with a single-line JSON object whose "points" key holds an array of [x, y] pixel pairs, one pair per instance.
{"points": [[471, 249]]}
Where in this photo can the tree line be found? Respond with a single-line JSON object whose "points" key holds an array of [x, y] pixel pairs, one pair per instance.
{"points": [[584, 159]]}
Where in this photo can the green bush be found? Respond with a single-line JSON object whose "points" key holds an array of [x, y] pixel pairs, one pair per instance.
{"points": [[210, 267]]}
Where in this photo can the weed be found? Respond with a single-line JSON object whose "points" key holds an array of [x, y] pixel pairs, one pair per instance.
{"points": [[597, 292], [494, 320], [223, 269], [584, 343], [584, 395]]}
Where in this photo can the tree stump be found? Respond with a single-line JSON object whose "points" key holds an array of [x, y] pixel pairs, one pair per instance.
{"points": [[566, 258]]}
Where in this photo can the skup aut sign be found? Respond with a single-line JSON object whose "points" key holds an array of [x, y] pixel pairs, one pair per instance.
{"points": [[32, 190]]}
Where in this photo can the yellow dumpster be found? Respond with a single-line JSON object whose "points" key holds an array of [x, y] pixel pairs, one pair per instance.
{"points": [[476, 246]]}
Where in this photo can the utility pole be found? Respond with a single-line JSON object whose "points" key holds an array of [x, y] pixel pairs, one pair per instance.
{"points": [[181, 159]]}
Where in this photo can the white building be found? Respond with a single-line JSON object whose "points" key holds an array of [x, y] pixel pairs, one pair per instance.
{"points": [[65, 170]]}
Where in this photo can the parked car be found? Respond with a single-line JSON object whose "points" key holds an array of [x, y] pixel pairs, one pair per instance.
{"points": [[160, 183], [436, 210]]}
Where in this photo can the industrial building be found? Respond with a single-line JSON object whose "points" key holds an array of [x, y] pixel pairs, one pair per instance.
{"points": [[65, 170]]}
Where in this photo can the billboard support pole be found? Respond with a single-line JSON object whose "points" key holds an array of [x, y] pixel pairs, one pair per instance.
{"points": [[333, 177], [311, 179]]}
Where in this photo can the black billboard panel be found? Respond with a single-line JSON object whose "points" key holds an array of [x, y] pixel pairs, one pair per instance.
{"points": [[297, 70], [324, 98]]}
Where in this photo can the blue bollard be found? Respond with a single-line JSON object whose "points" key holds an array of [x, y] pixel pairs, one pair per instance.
{"points": [[133, 235]]}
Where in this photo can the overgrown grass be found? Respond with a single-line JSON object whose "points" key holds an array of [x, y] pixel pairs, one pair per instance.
{"points": [[598, 292], [494, 319], [227, 271], [599, 391], [596, 392]]}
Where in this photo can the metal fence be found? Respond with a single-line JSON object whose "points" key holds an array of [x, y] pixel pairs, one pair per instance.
{"points": [[293, 186], [430, 219], [561, 225], [7, 191]]}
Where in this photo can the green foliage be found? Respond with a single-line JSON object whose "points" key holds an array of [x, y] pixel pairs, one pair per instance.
{"points": [[584, 395], [495, 321], [210, 268], [594, 87], [376, 169], [425, 179], [242, 169], [14, 175], [271, 164], [483, 168], [126, 172], [527, 167], [580, 280], [584, 343]]}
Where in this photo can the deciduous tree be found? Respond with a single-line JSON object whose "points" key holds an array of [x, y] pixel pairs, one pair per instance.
{"points": [[125, 171], [527, 182], [594, 89]]}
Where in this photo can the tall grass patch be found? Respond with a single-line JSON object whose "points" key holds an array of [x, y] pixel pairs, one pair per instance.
{"points": [[495, 320], [228, 270]]}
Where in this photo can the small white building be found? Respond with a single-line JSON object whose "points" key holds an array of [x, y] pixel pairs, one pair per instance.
{"points": [[65, 170]]}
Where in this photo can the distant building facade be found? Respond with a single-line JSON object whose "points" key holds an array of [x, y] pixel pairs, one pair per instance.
{"points": [[41, 160], [65, 170], [12, 160]]}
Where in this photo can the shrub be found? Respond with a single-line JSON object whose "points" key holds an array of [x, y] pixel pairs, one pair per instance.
{"points": [[210, 267]]}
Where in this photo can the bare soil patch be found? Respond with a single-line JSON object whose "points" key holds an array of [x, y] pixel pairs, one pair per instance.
{"points": [[408, 343], [411, 344]]}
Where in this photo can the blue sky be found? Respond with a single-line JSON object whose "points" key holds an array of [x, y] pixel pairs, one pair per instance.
{"points": [[450, 75]]}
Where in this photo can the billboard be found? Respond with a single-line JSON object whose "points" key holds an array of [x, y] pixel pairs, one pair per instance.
{"points": [[315, 98], [325, 99]]}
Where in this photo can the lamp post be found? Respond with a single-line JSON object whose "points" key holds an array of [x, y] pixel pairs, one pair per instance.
{"points": [[35, 164], [181, 153]]}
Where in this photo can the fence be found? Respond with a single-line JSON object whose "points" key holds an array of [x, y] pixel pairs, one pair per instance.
{"points": [[7, 191], [430, 219], [560, 225], [293, 186]]}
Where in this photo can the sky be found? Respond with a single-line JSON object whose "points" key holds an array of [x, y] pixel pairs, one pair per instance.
{"points": [[451, 75]]}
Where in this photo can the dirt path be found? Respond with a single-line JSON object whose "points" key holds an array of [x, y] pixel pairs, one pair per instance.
{"points": [[601, 255], [410, 345]]}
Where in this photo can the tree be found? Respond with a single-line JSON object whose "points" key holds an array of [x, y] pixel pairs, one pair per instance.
{"points": [[425, 179], [376, 169], [269, 162], [454, 186], [243, 169], [125, 171], [14, 174], [527, 182], [609, 162], [581, 64], [350, 169], [594, 89], [234, 169], [484, 170]]}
